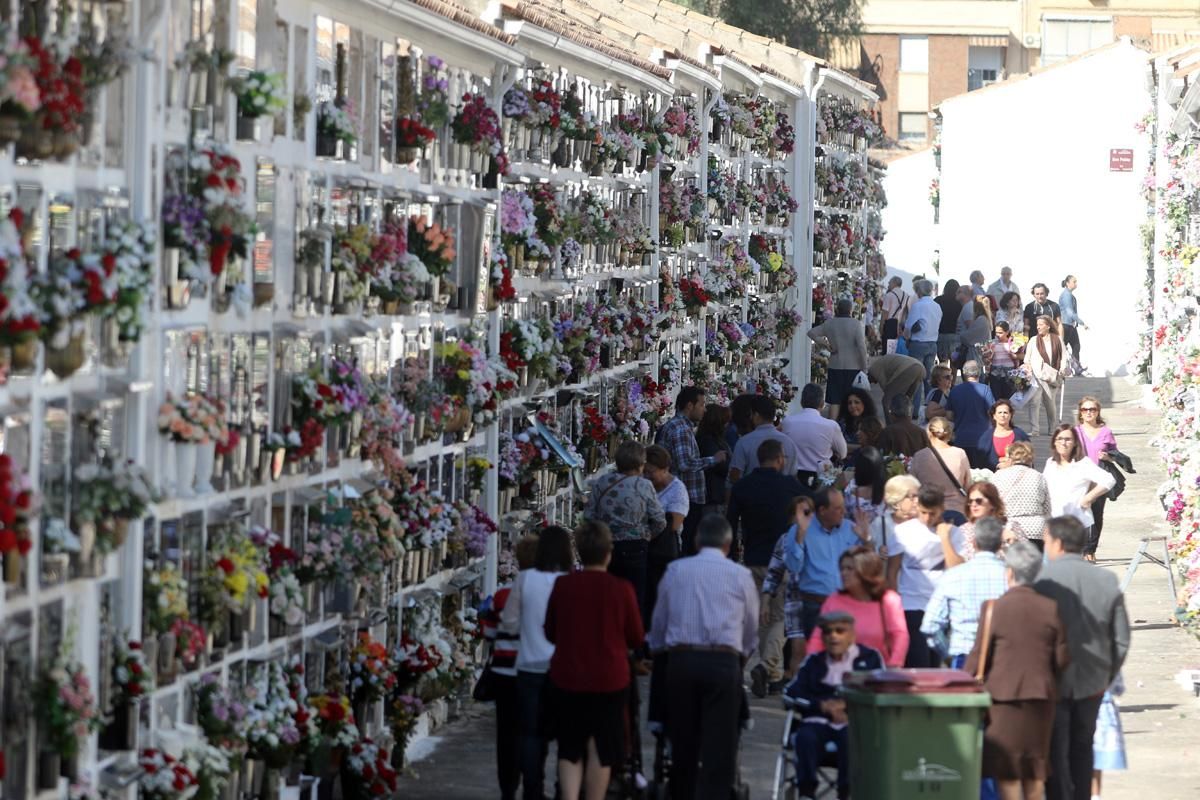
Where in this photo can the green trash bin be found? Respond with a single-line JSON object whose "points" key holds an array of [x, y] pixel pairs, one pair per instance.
{"points": [[915, 733]]}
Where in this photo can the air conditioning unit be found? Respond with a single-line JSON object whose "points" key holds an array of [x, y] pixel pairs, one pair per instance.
{"points": [[1032, 41]]}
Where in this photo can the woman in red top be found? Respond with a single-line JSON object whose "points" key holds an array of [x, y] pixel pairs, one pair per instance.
{"points": [[995, 441], [593, 621]]}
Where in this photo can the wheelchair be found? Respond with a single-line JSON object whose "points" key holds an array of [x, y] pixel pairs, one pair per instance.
{"points": [[786, 785]]}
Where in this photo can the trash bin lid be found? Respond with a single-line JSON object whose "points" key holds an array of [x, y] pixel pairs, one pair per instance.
{"points": [[914, 681]]}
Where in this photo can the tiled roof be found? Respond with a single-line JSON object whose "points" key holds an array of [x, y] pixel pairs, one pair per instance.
{"points": [[459, 14]]}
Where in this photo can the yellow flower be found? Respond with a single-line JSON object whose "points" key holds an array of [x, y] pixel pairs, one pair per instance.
{"points": [[464, 374]]}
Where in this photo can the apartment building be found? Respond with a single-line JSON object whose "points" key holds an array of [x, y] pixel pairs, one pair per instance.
{"points": [[918, 53]]}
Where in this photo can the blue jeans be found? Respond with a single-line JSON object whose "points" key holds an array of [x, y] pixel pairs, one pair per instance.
{"points": [[531, 740], [926, 353]]}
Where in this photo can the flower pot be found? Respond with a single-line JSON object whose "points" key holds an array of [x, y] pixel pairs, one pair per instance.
{"points": [[65, 361], [10, 129], [87, 541], [247, 128], [121, 732], [56, 568], [326, 146], [206, 454], [239, 625], [186, 454], [24, 355], [264, 294], [35, 143], [65, 144], [407, 155]]}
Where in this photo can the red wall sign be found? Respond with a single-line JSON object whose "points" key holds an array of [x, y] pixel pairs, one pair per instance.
{"points": [[1120, 160]]}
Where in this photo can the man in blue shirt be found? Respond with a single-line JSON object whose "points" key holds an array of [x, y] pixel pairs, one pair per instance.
{"points": [[969, 406], [814, 558], [952, 615]]}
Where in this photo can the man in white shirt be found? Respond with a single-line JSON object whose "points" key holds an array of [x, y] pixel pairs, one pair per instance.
{"points": [[816, 439], [924, 318], [920, 552], [1004, 285]]}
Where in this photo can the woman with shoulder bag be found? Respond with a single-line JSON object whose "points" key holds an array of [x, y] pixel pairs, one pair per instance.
{"points": [[627, 503], [945, 466], [900, 499], [1044, 361], [1020, 652]]}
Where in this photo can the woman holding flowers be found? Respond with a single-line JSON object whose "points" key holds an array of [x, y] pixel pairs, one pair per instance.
{"points": [[1004, 361], [1044, 362]]}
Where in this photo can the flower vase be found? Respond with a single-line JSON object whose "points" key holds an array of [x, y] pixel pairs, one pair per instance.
{"points": [[114, 351], [24, 355], [535, 145], [56, 567], [167, 660], [34, 144], [65, 361], [10, 129], [247, 128], [49, 765], [87, 542], [328, 288], [206, 455], [326, 145], [407, 155], [121, 733], [264, 294], [186, 455]]}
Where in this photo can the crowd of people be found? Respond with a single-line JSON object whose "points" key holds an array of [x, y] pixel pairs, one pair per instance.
{"points": [[748, 548]]}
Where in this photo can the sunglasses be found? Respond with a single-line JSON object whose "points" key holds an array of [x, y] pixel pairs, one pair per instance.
{"points": [[1064, 440], [978, 501], [1090, 410]]}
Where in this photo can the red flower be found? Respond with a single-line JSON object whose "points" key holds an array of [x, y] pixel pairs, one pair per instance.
{"points": [[226, 565]]}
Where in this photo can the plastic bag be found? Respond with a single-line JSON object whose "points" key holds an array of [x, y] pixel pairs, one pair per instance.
{"points": [[901, 347], [1021, 399], [861, 381]]}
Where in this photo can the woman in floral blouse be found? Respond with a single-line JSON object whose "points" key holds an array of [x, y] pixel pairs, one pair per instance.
{"points": [[628, 504], [1024, 493]]}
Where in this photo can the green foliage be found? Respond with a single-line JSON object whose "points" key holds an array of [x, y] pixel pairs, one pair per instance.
{"points": [[814, 26]]}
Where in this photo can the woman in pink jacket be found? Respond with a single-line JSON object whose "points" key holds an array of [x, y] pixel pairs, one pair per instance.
{"points": [[877, 610]]}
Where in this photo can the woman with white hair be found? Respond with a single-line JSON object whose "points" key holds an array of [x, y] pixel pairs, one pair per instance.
{"points": [[900, 501]]}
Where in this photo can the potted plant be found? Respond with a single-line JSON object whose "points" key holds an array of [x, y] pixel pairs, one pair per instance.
{"points": [[164, 777], [132, 679], [107, 498], [335, 125], [258, 94]]}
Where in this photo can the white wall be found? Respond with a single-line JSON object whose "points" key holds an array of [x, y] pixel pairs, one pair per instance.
{"points": [[1026, 183], [911, 236]]}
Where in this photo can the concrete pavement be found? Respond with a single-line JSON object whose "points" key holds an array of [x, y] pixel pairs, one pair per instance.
{"points": [[1159, 716]]}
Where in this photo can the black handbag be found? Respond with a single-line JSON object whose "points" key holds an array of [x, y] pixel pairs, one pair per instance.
{"points": [[485, 685], [664, 547]]}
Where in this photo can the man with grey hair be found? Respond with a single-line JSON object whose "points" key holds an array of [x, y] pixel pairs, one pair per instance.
{"points": [[969, 406], [1093, 611], [895, 311], [1003, 286], [952, 616], [921, 330], [1024, 560], [706, 621]]}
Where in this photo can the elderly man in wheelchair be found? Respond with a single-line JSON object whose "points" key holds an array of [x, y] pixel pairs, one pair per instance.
{"points": [[813, 696]]}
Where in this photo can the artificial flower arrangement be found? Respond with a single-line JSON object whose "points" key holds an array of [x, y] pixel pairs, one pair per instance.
{"points": [[193, 419], [477, 125], [109, 494], [336, 120], [130, 246], [20, 96], [596, 428], [518, 227], [414, 134], [66, 706], [351, 256], [779, 201], [259, 93], [783, 138], [278, 723], [16, 508], [692, 291], [476, 382], [528, 344], [334, 719], [212, 767], [286, 595], [404, 712], [632, 233], [433, 102], [372, 670], [432, 243], [515, 105], [593, 219], [221, 716], [204, 217], [500, 276], [132, 677], [20, 318], [545, 106], [319, 401], [419, 392], [476, 529], [61, 91], [75, 285], [680, 207], [164, 596], [367, 772], [164, 777], [235, 575], [681, 122], [548, 217]]}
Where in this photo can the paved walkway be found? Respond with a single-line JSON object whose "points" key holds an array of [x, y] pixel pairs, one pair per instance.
{"points": [[1160, 717]]}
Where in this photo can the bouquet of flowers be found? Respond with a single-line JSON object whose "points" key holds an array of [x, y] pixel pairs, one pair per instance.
{"points": [[164, 596], [221, 716], [287, 597], [60, 87], [277, 722], [433, 102], [19, 314], [477, 382], [214, 180], [121, 491], [212, 768], [75, 285], [680, 121], [194, 419], [783, 138], [16, 508], [545, 106], [334, 719], [236, 574], [19, 92], [596, 427], [693, 293], [411, 132], [132, 678], [403, 713], [190, 642], [477, 527], [500, 276], [549, 219], [66, 706], [432, 244], [322, 558], [259, 93], [516, 104], [367, 772], [130, 246], [519, 223], [372, 671], [337, 120], [477, 125], [163, 777]]}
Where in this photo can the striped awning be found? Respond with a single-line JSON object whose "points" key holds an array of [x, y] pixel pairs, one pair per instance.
{"points": [[988, 41]]}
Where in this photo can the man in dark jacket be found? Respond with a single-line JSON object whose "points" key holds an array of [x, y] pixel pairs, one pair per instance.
{"points": [[760, 503], [813, 693], [902, 436], [1092, 609]]}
